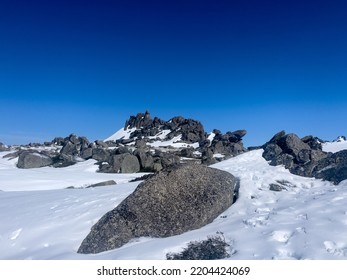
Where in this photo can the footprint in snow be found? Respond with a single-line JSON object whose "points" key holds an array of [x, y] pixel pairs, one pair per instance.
{"points": [[332, 248], [282, 236], [256, 221]]}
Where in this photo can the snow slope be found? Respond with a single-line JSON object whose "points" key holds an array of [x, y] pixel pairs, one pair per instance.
{"points": [[121, 134], [161, 142], [335, 146], [307, 221]]}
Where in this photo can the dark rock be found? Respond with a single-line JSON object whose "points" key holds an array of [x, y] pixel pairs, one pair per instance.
{"points": [[276, 187], [157, 166], [305, 157], [146, 160], [237, 135], [333, 168], [125, 141], [87, 153], [70, 149], [317, 155], [63, 160], [340, 139], [142, 178], [205, 143], [105, 167], [100, 154], [74, 139], [284, 159], [187, 152], [102, 184], [277, 137], [168, 159], [217, 132], [29, 159], [125, 163], [101, 144], [229, 144], [171, 202], [122, 150], [207, 157], [271, 151], [138, 121], [140, 143], [314, 142], [292, 144], [281, 185], [59, 141]]}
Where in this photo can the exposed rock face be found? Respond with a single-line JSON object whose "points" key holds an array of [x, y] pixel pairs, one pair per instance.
{"points": [[171, 202], [333, 168], [102, 184], [140, 120], [305, 157], [29, 159]]}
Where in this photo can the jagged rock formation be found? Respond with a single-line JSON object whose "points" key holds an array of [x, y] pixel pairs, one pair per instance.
{"points": [[171, 202], [141, 149], [333, 168], [305, 157]]}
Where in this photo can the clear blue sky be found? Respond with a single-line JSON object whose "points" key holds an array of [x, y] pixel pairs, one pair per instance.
{"points": [[84, 67]]}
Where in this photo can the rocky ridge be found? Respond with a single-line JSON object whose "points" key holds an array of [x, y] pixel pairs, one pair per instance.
{"points": [[305, 157], [145, 144]]}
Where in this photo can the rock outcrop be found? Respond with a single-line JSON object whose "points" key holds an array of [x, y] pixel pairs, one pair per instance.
{"points": [[333, 168], [140, 148], [29, 159], [179, 199], [305, 157]]}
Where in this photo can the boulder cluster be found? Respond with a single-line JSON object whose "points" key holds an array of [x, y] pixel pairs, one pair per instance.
{"points": [[305, 157], [136, 153]]}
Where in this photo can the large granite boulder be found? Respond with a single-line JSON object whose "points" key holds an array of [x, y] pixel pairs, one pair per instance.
{"points": [[180, 199], [28, 159], [125, 163]]}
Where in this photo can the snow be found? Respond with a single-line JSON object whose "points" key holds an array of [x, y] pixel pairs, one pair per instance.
{"points": [[121, 134], [335, 146], [308, 221], [174, 142], [79, 175], [211, 137]]}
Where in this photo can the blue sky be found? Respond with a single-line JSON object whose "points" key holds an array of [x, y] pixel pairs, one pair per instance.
{"points": [[84, 67]]}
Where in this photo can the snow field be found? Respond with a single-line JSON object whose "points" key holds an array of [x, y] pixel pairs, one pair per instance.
{"points": [[306, 221]]}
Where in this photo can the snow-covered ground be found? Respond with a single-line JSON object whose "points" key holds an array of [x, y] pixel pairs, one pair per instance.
{"points": [[333, 147], [307, 221]]}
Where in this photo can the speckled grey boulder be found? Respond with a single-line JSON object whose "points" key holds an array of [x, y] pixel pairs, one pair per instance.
{"points": [[183, 198]]}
